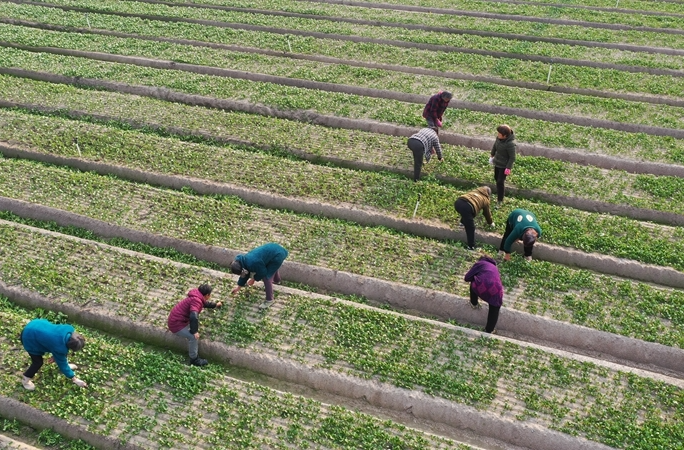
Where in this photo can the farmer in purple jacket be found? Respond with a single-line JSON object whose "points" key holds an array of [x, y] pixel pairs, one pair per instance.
{"points": [[184, 319], [485, 283], [40, 337]]}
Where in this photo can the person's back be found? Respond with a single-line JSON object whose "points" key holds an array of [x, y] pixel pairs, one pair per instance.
{"points": [[40, 336], [179, 317]]}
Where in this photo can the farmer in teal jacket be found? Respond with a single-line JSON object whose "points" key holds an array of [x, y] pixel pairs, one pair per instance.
{"points": [[39, 337], [521, 225], [262, 263]]}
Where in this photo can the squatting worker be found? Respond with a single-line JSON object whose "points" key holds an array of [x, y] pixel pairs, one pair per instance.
{"points": [[262, 263], [521, 225], [39, 337], [183, 319], [502, 158], [485, 283], [435, 107], [468, 205], [424, 144]]}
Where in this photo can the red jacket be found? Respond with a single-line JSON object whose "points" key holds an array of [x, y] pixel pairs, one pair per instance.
{"points": [[435, 107], [179, 317]]}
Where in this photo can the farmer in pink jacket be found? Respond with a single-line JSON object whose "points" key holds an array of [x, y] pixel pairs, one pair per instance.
{"points": [[485, 283], [184, 319]]}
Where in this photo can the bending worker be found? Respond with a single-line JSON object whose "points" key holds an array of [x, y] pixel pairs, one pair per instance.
{"points": [[485, 283], [424, 144], [183, 319], [521, 225], [262, 263], [40, 337], [468, 205]]}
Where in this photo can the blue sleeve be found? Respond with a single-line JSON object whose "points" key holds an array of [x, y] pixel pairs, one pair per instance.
{"points": [[63, 364], [242, 281]]}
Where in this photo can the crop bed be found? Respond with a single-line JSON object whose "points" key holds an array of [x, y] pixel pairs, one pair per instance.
{"points": [[569, 295], [359, 66], [342, 26], [502, 378], [365, 189], [577, 105], [150, 398], [339, 104]]}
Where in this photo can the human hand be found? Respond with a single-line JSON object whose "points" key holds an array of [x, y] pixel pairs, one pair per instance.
{"points": [[433, 151], [50, 360], [196, 335], [219, 304], [78, 382], [438, 122], [507, 171], [507, 257], [236, 290], [250, 282], [491, 161]]}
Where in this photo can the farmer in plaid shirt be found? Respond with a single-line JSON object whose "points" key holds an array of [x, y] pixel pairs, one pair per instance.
{"points": [[435, 107], [424, 144]]}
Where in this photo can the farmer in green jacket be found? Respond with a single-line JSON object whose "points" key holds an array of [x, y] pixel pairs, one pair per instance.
{"points": [[502, 158], [520, 225], [262, 263]]}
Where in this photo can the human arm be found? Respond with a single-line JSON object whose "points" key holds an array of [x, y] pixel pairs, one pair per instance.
{"points": [[511, 158], [438, 148], [63, 364], [194, 322], [213, 304], [472, 273]]}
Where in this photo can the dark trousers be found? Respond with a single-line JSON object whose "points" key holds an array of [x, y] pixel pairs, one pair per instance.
{"points": [[465, 209], [36, 364], [418, 150], [500, 178], [509, 229], [492, 316]]}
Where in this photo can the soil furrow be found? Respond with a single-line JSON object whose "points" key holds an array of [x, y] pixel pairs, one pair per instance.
{"points": [[339, 88], [473, 352], [397, 43], [436, 10], [645, 98], [409, 26]]}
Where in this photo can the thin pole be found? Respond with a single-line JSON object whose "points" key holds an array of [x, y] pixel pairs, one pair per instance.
{"points": [[415, 210]]}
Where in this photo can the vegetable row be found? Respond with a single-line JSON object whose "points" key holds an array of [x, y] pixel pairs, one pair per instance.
{"points": [[346, 105], [471, 91], [335, 28], [499, 377], [523, 10], [152, 398], [563, 75], [551, 290], [339, 13]]}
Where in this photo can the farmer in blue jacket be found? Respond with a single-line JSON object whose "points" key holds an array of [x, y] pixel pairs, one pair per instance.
{"points": [[521, 225], [262, 263], [39, 337]]}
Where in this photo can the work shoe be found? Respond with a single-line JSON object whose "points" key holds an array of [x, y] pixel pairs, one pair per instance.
{"points": [[73, 366], [199, 362], [493, 331], [267, 304], [478, 306], [27, 383], [528, 258]]}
